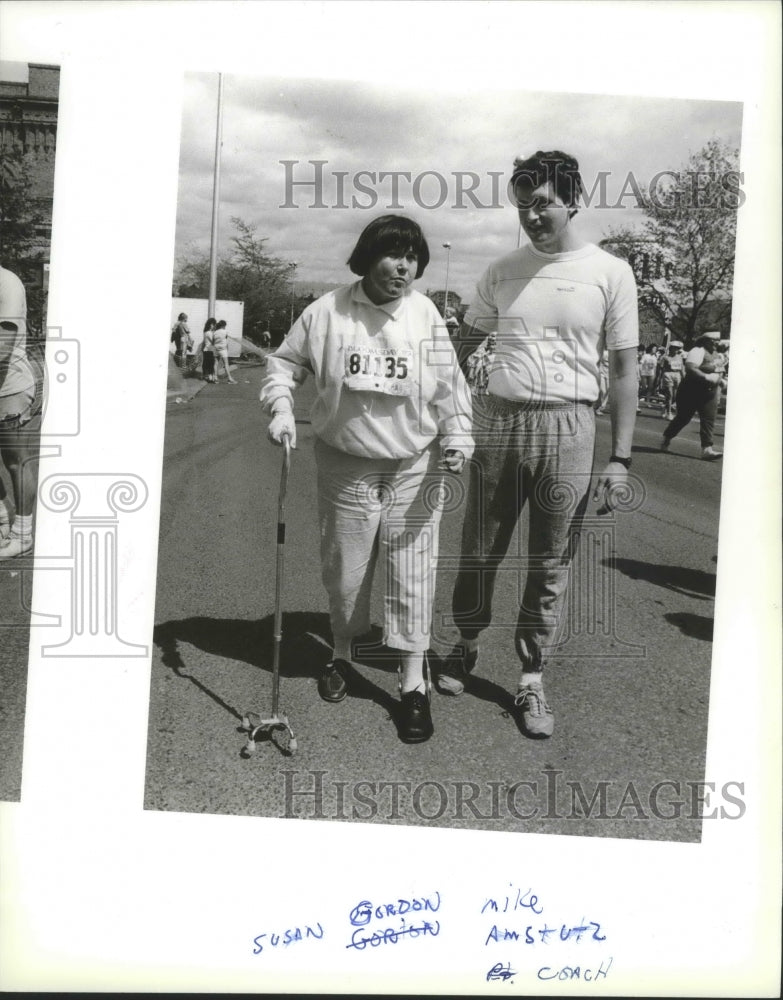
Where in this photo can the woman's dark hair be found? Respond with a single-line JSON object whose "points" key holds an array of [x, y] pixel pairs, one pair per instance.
{"points": [[210, 324], [389, 234], [555, 167], [220, 324], [181, 317]]}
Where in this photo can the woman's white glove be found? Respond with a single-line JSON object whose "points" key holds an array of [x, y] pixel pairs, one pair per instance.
{"points": [[452, 460], [282, 424]]}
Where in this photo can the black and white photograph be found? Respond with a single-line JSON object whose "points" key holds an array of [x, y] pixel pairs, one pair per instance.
{"points": [[398, 607], [29, 99], [418, 635]]}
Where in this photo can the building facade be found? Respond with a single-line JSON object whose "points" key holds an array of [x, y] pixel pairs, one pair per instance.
{"points": [[28, 141]]}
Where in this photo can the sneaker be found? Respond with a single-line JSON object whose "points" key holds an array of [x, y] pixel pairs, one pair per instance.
{"points": [[15, 545], [415, 719], [454, 676], [537, 717], [709, 454], [332, 684], [665, 442]]}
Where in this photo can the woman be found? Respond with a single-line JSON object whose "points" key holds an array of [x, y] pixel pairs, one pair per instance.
{"points": [[21, 403], [699, 392], [391, 416], [220, 341], [672, 365], [208, 351], [182, 339]]}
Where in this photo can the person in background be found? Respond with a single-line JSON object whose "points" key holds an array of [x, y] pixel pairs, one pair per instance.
{"points": [[721, 359], [208, 351], [672, 367], [220, 341], [452, 323], [639, 356], [181, 336], [391, 419], [647, 367], [699, 392], [478, 365], [21, 405]]}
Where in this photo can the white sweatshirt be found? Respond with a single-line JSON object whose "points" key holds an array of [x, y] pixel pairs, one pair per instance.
{"points": [[387, 378]]}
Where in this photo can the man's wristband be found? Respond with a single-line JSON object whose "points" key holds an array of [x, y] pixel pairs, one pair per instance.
{"points": [[623, 461]]}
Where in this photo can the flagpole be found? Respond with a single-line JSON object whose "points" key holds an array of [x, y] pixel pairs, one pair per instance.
{"points": [[215, 202]]}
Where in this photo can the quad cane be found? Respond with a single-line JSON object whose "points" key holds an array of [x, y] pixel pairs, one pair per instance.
{"points": [[252, 723]]}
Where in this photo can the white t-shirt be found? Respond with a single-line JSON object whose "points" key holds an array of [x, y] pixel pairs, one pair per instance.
{"points": [[700, 358], [554, 315], [15, 373], [648, 364], [387, 378]]}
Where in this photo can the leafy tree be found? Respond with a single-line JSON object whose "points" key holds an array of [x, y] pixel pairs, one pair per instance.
{"points": [[683, 255], [246, 272], [24, 234]]}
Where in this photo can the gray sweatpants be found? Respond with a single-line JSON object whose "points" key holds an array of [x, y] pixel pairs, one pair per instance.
{"points": [[539, 455]]}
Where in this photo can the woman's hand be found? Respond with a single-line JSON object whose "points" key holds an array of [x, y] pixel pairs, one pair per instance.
{"points": [[453, 460], [282, 424]]}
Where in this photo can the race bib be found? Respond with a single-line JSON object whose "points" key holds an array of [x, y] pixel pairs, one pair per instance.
{"points": [[387, 370]]}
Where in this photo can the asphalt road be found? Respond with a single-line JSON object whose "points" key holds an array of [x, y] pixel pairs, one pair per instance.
{"points": [[629, 685]]}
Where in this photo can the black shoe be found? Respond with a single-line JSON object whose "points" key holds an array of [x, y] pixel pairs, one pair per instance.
{"points": [[332, 684], [415, 720]]}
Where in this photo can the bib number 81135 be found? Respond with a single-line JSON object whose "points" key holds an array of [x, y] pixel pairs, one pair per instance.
{"points": [[378, 365]]}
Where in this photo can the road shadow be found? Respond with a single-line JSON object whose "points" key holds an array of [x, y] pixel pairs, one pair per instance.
{"points": [[643, 449], [680, 579], [694, 626], [305, 649], [483, 689]]}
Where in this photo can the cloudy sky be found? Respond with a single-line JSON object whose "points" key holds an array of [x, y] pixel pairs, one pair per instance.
{"points": [[362, 127]]}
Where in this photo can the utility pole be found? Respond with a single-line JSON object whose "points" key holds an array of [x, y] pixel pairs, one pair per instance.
{"points": [[213, 247]]}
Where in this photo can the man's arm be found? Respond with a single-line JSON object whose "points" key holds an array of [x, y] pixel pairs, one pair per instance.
{"points": [[8, 331], [711, 378], [622, 399], [622, 408], [13, 314], [466, 342]]}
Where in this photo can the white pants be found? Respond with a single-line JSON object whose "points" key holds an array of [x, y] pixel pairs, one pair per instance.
{"points": [[386, 512]]}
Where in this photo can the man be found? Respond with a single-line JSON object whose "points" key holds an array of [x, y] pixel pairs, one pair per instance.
{"points": [[20, 409], [555, 305], [699, 392]]}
